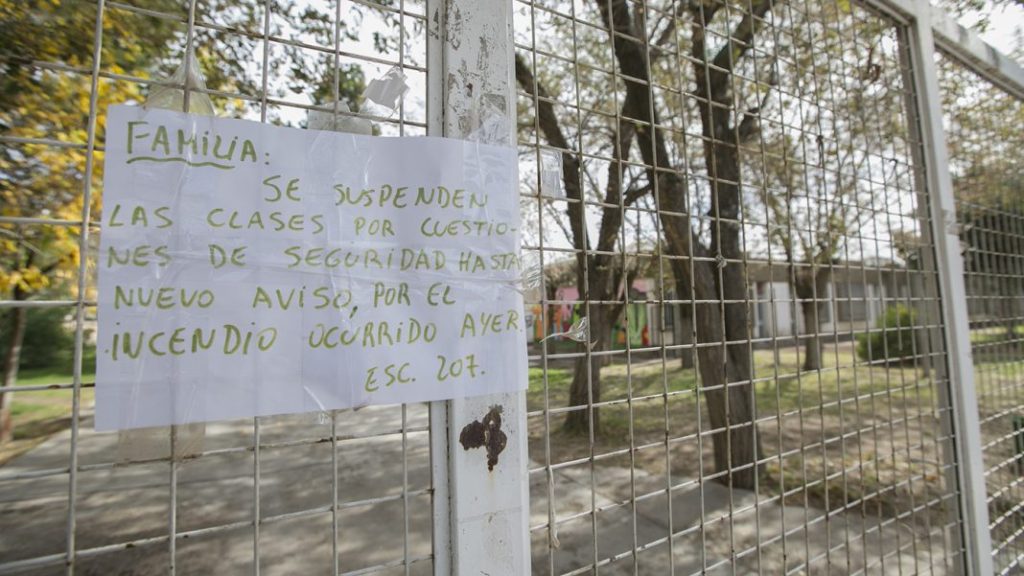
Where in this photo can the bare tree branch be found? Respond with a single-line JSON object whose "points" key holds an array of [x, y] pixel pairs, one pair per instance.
{"points": [[554, 216], [548, 124], [736, 45]]}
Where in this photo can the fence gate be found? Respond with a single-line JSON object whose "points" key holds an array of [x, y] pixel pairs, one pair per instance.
{"points": [[773, 281], [989, 220]]}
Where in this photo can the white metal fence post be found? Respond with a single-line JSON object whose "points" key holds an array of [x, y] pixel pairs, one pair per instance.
{"points": [[481, 514], [942, 206]]}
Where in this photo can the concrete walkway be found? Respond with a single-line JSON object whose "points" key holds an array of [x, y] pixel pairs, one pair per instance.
{"points": [[711, 548], [127, 503], [132, 502]]}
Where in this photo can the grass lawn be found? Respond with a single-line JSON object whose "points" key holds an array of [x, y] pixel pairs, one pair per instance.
{"points": [[782, 390], [40, 413]]}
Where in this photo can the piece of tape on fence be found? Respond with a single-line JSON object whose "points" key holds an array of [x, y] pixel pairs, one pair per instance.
{"points": [[551, 174], [387, 91], [489, 120], [172, 97], [532, 272], [578, 332], [153, 443], [340, 121]]}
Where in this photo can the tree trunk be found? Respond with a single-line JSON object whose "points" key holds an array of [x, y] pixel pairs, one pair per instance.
{"points": [[580, 394], [16, 321], [578, 421], [811, 292], [738, 451], [812, 343], [1013, 293], [731, 407], [809, 311], [685, 331], [605, 275]]}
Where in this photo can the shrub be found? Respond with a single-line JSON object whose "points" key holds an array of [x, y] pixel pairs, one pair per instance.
{"points": [[47, 341], [895, 343]]}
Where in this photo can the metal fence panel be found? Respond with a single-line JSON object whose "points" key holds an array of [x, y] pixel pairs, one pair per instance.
{"points": [[337, 492], [748, 347], [739, 208], [984, 144]]}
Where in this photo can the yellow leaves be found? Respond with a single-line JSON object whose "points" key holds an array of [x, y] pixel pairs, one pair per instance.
{"points": [[31, 279], [33, 258], [28, 279], [41, 180]]}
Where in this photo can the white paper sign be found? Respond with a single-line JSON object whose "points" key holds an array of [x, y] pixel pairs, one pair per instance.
{"points": [[247, 269]]}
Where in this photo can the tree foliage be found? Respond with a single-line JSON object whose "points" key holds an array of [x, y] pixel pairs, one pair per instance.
{"points": [[47, 341], [46, 105], [893, 339], [757, 130]]}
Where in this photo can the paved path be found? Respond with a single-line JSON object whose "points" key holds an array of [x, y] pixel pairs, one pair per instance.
{"points": [[721, 533], [131, 502], [126, 503]]}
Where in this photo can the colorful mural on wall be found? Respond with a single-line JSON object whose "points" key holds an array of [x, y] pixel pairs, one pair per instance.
{"points": [[562, 315]]}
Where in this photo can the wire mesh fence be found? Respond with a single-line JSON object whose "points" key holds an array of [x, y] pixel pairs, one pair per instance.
{"points": [[738, 351], [987, 177], [741, 216], [332, 492]]}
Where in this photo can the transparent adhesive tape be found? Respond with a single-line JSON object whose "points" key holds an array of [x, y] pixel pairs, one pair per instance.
{"points": [[187, 75], [153, 443], [340, 122], [532, 272], [387, 91], [489, 119], [551, 174], [577, 332]]}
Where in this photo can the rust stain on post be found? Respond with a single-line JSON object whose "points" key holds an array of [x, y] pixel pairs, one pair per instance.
{"points": [[487, 433]]}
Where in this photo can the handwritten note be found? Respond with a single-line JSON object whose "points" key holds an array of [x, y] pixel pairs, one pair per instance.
{"points": [[247, 269]]}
